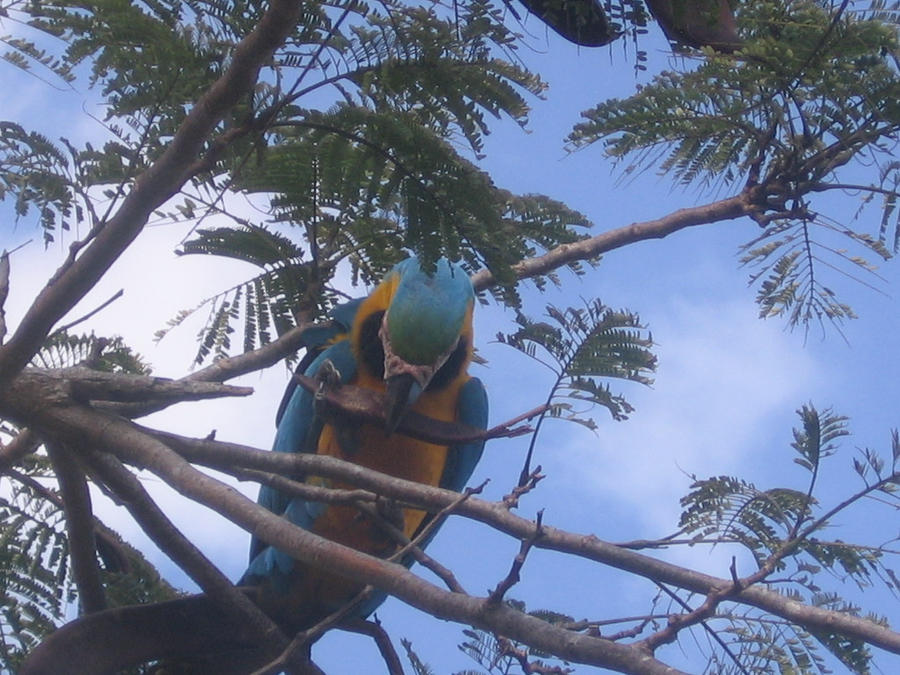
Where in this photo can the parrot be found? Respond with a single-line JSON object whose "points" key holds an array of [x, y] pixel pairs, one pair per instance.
{"points": [[412, 340]]}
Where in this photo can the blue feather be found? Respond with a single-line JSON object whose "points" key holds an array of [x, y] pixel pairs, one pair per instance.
{"points": [[472, 409], [428, 310], [299, 432]]}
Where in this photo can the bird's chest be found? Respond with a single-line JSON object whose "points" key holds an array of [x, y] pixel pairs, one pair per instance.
{"points": [[396, 455]]}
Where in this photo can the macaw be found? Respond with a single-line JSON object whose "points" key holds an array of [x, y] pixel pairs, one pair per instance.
{"points": [[411, 339]]}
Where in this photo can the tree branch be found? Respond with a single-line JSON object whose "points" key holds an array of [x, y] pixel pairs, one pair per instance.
{"points": [[152, 188], [76, 499], [257, 359], [129, 442], [221, 456], [725, 209], [187, 556], [25, 442], [87, 384], [4, 291]]}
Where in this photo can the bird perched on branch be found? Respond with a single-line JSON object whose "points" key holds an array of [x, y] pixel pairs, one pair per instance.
{"points": [[411, 339]]}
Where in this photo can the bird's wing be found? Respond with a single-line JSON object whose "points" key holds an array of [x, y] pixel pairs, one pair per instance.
{"points": [[299, 432], [316, 339], [472, 409]]}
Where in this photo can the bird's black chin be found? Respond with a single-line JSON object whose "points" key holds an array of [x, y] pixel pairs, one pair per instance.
{"points": [[402, 392]]}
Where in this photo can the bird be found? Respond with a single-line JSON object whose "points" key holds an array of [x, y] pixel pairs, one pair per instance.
{"points": [[411, 339]]}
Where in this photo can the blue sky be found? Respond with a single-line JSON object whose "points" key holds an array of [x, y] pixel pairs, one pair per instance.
{"points": [[723, 401]]}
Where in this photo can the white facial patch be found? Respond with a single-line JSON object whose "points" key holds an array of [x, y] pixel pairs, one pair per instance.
{"points": [[395, 365]]}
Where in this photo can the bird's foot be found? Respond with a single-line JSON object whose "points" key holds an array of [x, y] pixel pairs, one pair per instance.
{"points": [[328, 377]]}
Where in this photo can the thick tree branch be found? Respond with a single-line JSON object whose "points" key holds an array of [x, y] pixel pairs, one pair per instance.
{"points": [[23, 444], [725, 209], [152, 188], [87, 384], [76, 499], [187, 556], [186, 628], [89, 428], [221, 456]]}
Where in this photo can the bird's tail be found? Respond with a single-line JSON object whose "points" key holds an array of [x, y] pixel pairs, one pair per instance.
{"points": [[187, 635]]}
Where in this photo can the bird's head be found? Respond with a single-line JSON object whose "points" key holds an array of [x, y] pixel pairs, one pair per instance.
{"points": [[423, 329]]}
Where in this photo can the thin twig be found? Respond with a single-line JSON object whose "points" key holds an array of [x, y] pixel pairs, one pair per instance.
{"points": [[496, 596], [367, 405], [678, 622], [62, 329], [293, 654], [507, 648], [382, 640], [527, 483]]}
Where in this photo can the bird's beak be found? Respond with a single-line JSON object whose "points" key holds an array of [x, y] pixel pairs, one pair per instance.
{"points": [[402, 391]]}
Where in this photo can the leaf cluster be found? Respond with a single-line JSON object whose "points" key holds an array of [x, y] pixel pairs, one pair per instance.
{"points": [[493, 653], [811, 89], [35, 579], [781, 528], [583, 347], [111, 355]]}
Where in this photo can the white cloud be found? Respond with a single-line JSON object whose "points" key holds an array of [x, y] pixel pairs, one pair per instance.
{"points": [[725, 381]]}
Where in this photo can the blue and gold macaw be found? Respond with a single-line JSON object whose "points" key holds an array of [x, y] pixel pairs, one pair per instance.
{"points": [[411, 338]]}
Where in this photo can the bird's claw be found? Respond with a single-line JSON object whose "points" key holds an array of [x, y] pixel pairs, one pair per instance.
{"points": [[328, 378]]}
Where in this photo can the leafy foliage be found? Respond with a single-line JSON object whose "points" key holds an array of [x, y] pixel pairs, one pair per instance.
{"points": [[500, 655], [583, 347], [355, 134], [810, 90], [35, 579], [780, 527], [360, 138], [111, 355], [33, 171], [419, 666]]}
